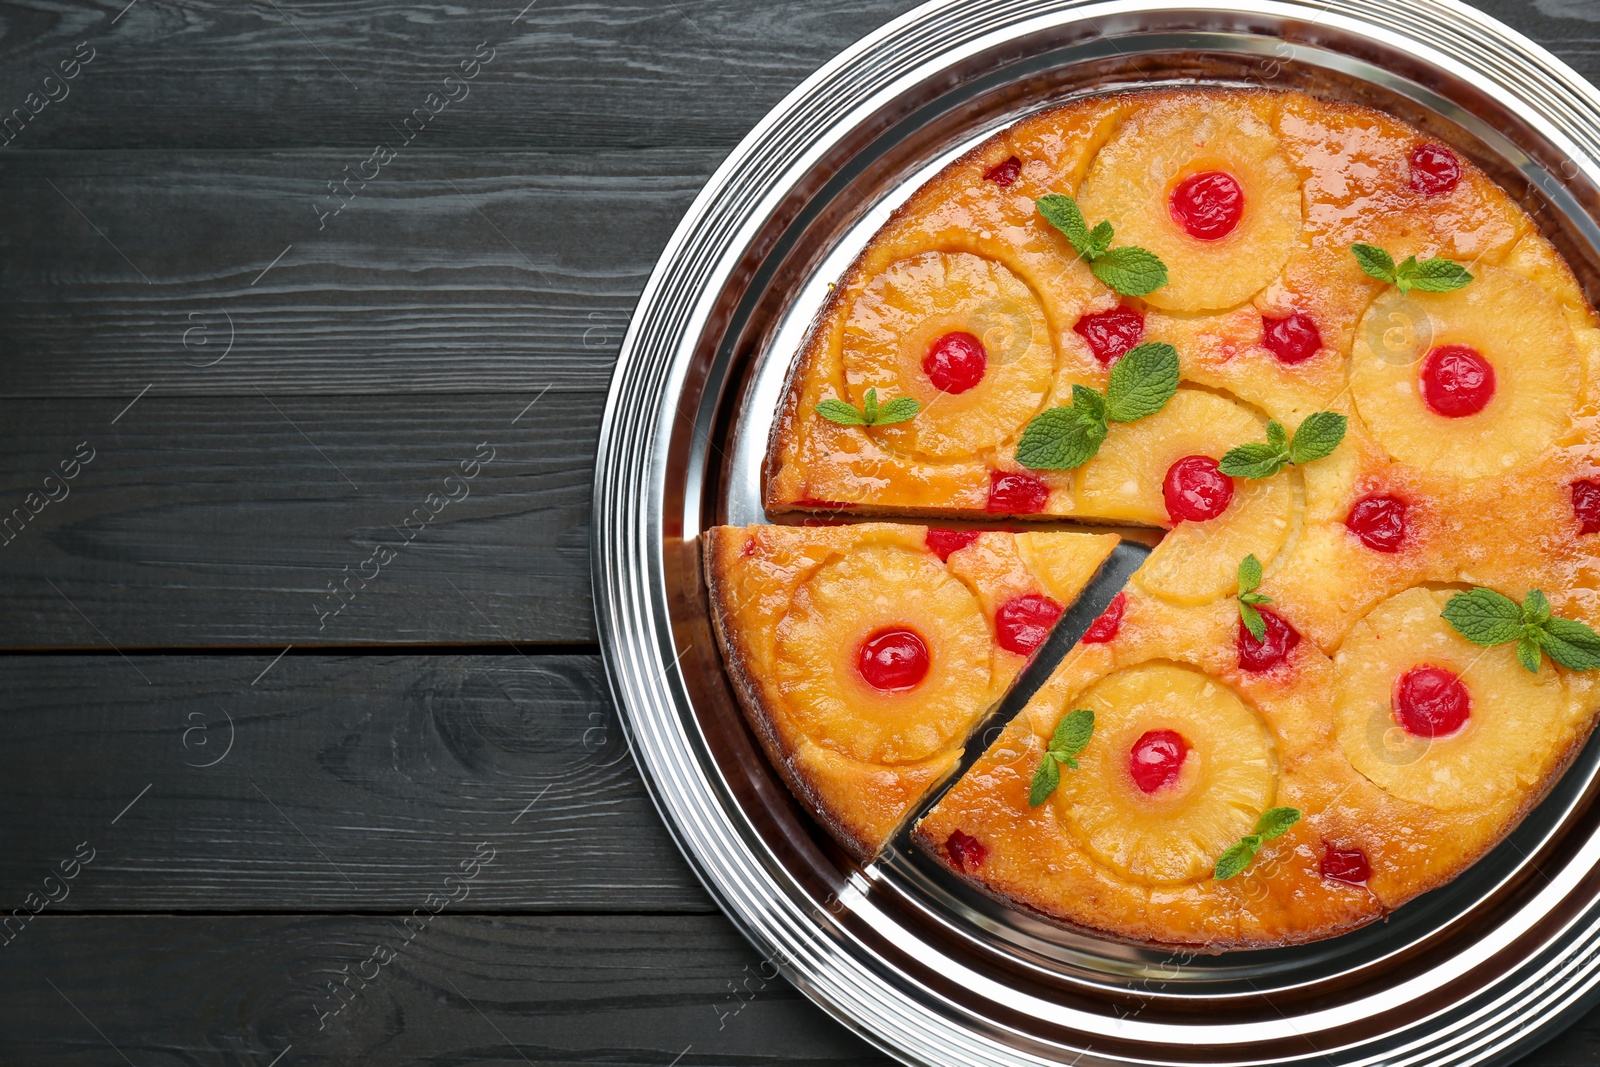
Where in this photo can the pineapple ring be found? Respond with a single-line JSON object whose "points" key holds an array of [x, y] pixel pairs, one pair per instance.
{"points": [[848, 599], [904, 310], [1515, 325], [1175, 834], [1196, 562], [1503, 750], [1132, 179]]}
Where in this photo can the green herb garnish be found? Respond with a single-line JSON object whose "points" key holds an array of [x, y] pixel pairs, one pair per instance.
{"points": [[1249, 580], [900, 409], [1064, 437], [1317, 436], [1129, 270], [1072, 735], [1274, 822], [1431, 275], [1487, 618]]}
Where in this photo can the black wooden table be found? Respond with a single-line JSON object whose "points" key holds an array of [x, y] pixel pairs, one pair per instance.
{"points": [[307, 312]]}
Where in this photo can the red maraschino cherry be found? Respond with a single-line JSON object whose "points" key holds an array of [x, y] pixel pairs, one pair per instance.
{"points": [[1207, 205], [1156, 759], [1111, 334], [965, 851], [1195, 489], [1379, 521], [1023, 622], [1586, 505], [1431, 702], [943, 542], [1106, 626], [893, 660], [1348, 865], [1004, 173], [955, 362], [1016, 494], [1263, 655], [1435, 170], [1456, 381], [1294, 338]]}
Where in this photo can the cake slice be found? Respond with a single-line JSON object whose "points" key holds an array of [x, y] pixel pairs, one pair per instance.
{"points": [[864, 655]]}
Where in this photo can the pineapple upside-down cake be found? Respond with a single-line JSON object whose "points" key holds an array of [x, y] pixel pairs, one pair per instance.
{"points": [[1360, 392]]}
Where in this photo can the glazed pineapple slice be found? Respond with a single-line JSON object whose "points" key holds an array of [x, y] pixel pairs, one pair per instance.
{"points": [[1480, 379], [961, 335], [1201, 181], [884, 656], [1435, 720], [1148, 468], [1179, 768]]}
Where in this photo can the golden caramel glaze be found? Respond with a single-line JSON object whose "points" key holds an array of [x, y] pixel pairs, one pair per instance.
{"points": [[792, 607], [1487, 497], [1047, 860]]}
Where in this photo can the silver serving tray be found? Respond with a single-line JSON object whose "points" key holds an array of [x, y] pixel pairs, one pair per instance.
{"points": [[1476, 972]]}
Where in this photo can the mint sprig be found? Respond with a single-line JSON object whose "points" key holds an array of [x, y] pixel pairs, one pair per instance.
{"points": [[1249, 581], [1130, 270], [1317, 437], [1488, 618], [1431, 275], [1071, 737], [1068, 436], [1274, 822], [900, 409]]}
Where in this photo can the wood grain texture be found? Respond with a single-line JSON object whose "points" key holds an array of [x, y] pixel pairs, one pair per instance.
{"points": [[227, 521], [448, 272], [683, 990], [351, 783], [569, 74]]}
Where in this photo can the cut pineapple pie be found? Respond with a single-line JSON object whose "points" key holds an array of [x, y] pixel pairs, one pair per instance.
{"points": [[1359, 391]]}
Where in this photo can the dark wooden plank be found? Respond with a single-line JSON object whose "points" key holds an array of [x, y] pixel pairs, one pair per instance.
{"points": [[239, 520], [352, 782], [660, 990], [459, 272], [574, 74]]}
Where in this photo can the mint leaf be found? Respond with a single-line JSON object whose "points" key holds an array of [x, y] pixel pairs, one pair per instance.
{"points": [[1089, 403], [1375, 262], [1142, 382], [1130, 271], [1572, 644], [1276, 436], [1484, 617], [1100, 239], [1536, 608], [1059, 439], [1528, 650], [1062, 213], [1432, 275], [1249, 574], [1072, 733], [1275, 822], [1045, 780], [842, 413], [1236, 858], [1317, 436], [900, 409], [1435, 275], [1252, 620], [1253, 460]]}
